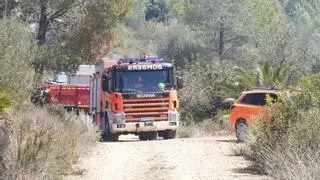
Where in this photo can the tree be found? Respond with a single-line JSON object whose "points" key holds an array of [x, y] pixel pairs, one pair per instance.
{"points": [[216, 22], [17, 52], [137, 15], [266, 74], [157, 10], [6, 6], [230, 29], [70, 32], [303, 17]]}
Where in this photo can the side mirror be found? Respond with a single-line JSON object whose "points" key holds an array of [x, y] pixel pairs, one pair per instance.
{"points": [[105, 84], [179, 83], [228, 103]]}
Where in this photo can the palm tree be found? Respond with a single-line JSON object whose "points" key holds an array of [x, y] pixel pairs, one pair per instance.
{"points": [[266, 74]]}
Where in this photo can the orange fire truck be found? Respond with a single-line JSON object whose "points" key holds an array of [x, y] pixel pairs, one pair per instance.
{"points": [[136, 96]]}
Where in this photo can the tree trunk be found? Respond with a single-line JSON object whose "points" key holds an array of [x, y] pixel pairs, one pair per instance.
{"points": [[43, 22], [41, 38], [221, 40]]}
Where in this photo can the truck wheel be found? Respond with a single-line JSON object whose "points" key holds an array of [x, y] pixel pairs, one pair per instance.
{"points": [[152, 135], [143, 136], [109, 137], [169, 134], [240, 130]]}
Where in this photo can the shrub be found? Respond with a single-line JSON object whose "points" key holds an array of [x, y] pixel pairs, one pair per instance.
{"points": [[43, 144], [287, 145], [200, 98], [17, 52]]}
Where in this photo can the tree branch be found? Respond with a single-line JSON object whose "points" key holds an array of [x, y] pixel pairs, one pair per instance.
{"points": [[63, 10], [35, 12], [236, 38]]}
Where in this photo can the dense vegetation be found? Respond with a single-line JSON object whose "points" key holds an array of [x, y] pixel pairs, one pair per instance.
{"points": [[219, 47], [38, 37], [224, 47]]}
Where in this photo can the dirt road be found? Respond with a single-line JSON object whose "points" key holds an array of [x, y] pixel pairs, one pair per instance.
{"points": [[195, 158]]}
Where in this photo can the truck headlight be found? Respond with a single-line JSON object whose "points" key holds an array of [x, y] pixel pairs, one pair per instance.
{"points": [[119, 118], [173, 116]]}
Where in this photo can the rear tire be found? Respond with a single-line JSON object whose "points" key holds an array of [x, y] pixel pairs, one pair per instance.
{"points": [[143, 136], [240, 130], [169, 134]]}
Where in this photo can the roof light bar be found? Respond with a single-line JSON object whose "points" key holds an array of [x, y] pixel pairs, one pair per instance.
{"points": [[136, 60]]}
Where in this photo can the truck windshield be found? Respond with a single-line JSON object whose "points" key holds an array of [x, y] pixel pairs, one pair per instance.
{"points": [[142, 81]]}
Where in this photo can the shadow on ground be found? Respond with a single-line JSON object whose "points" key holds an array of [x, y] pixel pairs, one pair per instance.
{"points": [[254, 170], [228, 141]]}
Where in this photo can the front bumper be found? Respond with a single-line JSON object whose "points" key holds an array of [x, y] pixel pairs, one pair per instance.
{"points": [[135, 127]]}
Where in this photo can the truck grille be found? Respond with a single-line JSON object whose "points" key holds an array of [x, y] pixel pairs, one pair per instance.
{"points": [[156, 109]]}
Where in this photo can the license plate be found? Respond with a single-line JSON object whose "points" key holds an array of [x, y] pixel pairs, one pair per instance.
{"points": [[148, 123], [143, 124], [147, 119]]}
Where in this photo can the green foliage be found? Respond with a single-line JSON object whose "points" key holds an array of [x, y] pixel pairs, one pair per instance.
{"points": [[265, 75], [287, 145], [181, 44], [266, 15], [303, 19], [200, 97], [157, 10], [137, 15], [88, 36], [6, 7], [17, 52], [5, 100], [312, 97], [71, 32]]}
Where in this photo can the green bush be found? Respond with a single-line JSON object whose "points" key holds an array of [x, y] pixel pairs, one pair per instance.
{"points": [[287, 145], [201, 97], [5, 100], [17, 52]]}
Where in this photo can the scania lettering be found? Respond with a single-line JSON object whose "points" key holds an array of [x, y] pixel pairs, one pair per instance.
{"points": [[146, 95]]}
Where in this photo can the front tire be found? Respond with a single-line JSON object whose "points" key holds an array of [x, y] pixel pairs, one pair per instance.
{"points": [[169, 134], [106, 135], [143, 136], [109, 137]]}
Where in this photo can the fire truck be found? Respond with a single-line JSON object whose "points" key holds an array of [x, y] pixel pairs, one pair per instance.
{"points": [[71, 97], [136, 96], [71, 92]]}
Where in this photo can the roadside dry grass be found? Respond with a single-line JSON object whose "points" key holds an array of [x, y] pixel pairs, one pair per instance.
{"points": [[44, 143], [209, 127]]}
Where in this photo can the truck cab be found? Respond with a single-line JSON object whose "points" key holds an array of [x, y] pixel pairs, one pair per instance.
{"points": [[136, 96]]}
